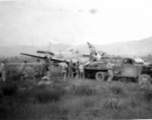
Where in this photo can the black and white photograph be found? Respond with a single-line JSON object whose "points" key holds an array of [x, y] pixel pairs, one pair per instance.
{"points": [[75, 59]]}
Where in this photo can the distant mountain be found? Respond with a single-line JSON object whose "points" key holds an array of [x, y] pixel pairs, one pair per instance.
{"points": [[137, 48]]}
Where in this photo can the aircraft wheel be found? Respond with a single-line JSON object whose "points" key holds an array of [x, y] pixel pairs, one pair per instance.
{"points": [[100, 76], [144, 78]]}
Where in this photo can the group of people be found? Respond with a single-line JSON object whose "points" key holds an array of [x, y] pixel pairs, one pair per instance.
{"points": [[42, 70], [72, 70]]}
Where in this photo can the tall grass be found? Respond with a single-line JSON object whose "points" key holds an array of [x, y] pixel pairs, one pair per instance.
{"points": [[45, 94], [84, 90], [86, 100], [8, 88], [13, 73]]}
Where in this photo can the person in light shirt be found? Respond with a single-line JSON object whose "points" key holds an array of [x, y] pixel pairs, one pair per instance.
{"points": [[63, 66], [81, 69], [98, 57], [23, 72], [92, 52], [110, 66], [3, 71]]}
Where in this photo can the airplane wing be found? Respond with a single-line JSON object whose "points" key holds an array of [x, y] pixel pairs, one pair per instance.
{"points": [[52, 59], [58, 60], [45, 52], [32, 55]]}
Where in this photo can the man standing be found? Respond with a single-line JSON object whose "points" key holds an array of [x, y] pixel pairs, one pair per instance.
{"points": [[70, 69], [45, 66], [46, 80], [63, 66], [74, 70], [3, 71], [92, 52], [38, 70], [23, 73], [77, 70], [81, 69], [47, 76], [110, 70]]}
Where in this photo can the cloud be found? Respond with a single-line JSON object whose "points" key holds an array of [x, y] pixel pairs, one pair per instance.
{"points": [[93, 11], [80, 10]]}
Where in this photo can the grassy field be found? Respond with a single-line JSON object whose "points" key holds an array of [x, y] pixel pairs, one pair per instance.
{"points": [[74, 100]]}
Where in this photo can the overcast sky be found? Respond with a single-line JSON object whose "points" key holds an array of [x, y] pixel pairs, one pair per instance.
{"points": [[38, 22]]}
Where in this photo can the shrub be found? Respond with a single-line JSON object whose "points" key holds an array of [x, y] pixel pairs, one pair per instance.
{"points": [[113, 103], [45, 94], [133, 102], [148, 94], [9, 88], [89, 102], [1, 93], [84, 90], [144, 94], [117, 90], [78, 104], [12, 74]]}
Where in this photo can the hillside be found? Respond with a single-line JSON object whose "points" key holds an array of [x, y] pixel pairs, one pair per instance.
{"points": [[138, 48]]}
